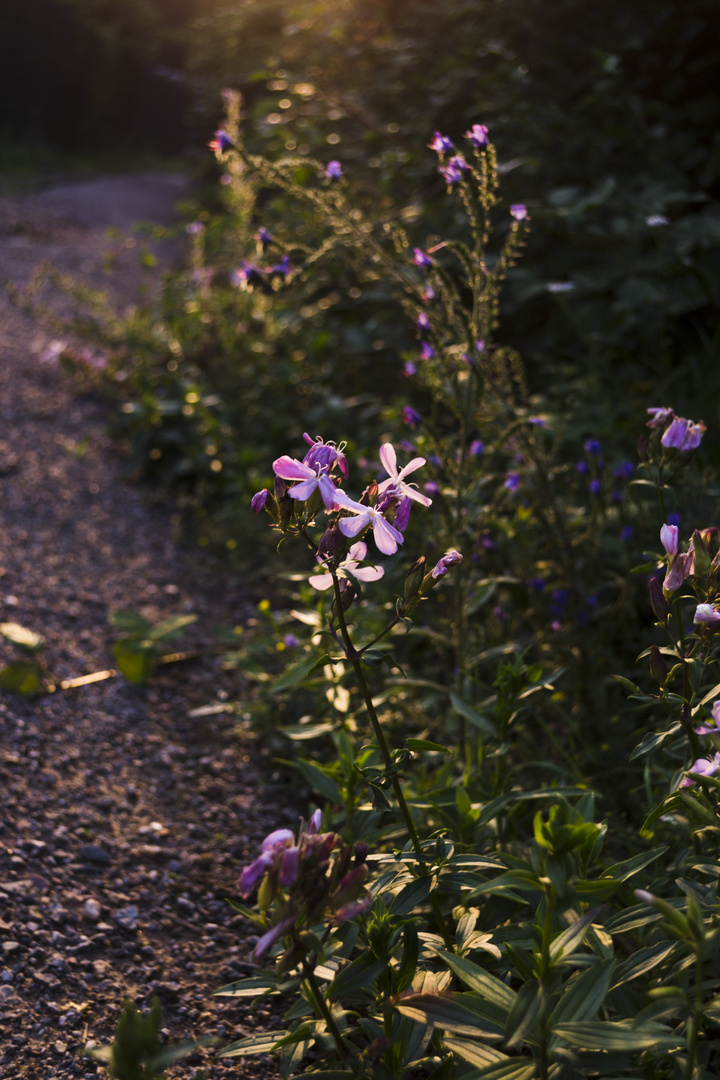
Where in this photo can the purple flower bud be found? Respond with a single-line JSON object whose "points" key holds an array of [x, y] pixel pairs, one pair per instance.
{"points": [[431, 488], [659, 416], [281, 269], [247, 276], [704, 767], [429, 294], [409, 368], [289, 866], [411, 417], [519, 211], [595, 487], [454, 171], [426, 351], [290, 641], [258, 500], [450, 558], [581, 467], [480, 345], [592, 446], [423, 322], [476, 447], [333, 170], [441, 144], [478, 135], [669, 537], [626, 533], [512, 482], [271, 936], [314, 823], [221, 142], [402, 514], [263, 237], [421, 259]]}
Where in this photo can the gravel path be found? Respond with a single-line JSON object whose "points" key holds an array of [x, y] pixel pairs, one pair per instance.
{"points": [[126, 812]]}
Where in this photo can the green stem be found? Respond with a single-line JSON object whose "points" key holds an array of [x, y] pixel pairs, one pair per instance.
{"points": [[693, 1031], [324, 1010], [355, 659]]}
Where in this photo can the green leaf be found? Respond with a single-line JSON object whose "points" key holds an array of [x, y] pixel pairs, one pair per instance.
{"points": [[320, 781], [653, 739], [566, 943], [492, 990], [642, 961], [25, 639], [583, 994], [470, 714], [263, 1043], [298, 672], [528, 1008], [129, 622], [443, 1011], [473, 1052], [359, 975], [601, 1035], [623, 870], [22, 677], [414, 893], [135, 663], [170, 627], [424, 744], [251, 988], [507, 1069]]}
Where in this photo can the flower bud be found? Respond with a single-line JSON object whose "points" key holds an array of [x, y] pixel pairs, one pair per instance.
{"points": [[660, 606], [414, 579], [286, 505], [702, 562]]}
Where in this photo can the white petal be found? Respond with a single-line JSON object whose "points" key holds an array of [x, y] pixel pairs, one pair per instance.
{"points": [[386, 538], [416, 463], [388, 457], [353, 526], [321, 581], [358, 551]]}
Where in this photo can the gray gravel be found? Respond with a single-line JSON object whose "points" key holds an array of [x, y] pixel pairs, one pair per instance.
{"points": [[126, 814]]}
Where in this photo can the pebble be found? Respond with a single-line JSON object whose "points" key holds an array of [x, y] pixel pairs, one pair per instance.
{"points": [[91, 910], [127, 917]]}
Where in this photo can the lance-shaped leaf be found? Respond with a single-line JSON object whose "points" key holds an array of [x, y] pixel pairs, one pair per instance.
{"points": [[598, 1035], [446, 1012], [584, 993], [497, 999], [528, 1009], [570, 939]]}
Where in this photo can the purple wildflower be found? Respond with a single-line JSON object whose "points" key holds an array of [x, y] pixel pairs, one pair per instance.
{"points": [[592, 446], [454, 170], [518, 211], [441, 144], [420, 258], [221, 142], [478, 135], [333, 170], [431, 487], [706, 615], [626, 533], [682, 434], [477, 446], [264, 238], [423, 322], [426, 351], [595, 487], [411, 417], [512, 482], [449, 559], [703, 766], [258, 500], [247, 276], [409, 368], [281, 269], [658, 416], [429, 294], [402, 514]]}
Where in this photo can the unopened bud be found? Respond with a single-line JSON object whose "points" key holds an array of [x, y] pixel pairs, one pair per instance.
{"points": [[286, 505], [658, 667], [331, 541], [660, 606], [702, 563], [414, 579]]}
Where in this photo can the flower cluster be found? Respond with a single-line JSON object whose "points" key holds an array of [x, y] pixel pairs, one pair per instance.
{"points": [[674, 433], [701, 561], [305, 878]]}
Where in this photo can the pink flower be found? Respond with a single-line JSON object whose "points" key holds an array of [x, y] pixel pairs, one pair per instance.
{"points": [[288, 468], [395, 484], [704, 767], [706, 615], [669, 539], [385, 536], [350, 567], [658, 416], [682, 434]]}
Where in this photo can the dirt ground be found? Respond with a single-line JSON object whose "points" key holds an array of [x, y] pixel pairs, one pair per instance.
{"points": [[126, 812]]}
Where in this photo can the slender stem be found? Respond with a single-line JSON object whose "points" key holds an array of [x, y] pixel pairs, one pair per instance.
{"points": [[355, 659], [324, 1010], [695, 1020]]}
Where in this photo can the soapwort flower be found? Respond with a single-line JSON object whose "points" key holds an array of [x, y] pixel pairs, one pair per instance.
{"points": [[348, 568], [386, 536], [395, 484]]}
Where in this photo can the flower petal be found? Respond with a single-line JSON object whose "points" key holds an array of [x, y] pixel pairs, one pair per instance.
{"points": [[291, 469], [353, 526], [388, 457], [386, 537]]}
